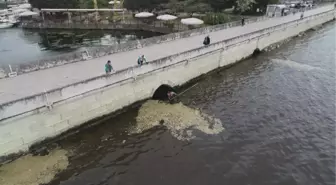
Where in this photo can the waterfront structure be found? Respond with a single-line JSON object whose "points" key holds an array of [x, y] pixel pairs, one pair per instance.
{"points": [[68, 99], [80, 14], [109, 19]]}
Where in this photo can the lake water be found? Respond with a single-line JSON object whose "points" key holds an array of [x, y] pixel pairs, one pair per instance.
{"points": [[19, 46]]}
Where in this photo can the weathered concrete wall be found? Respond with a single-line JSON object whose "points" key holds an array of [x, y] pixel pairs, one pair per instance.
{"points": [[28, 121], [103, 51]]}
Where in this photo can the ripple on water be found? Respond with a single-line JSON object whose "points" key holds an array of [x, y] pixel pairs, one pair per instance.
{"points": [[178, 118], [296, 65]]}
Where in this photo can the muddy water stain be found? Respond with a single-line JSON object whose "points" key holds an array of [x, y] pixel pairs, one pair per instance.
{"points": [[34, 170], [115, 147]]}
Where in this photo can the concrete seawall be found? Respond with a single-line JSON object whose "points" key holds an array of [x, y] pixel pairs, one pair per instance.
{"points": [[27, 121]]}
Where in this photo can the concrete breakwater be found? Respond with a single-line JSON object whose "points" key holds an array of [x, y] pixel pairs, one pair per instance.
{"points": [[51, 113], [96, 52]]}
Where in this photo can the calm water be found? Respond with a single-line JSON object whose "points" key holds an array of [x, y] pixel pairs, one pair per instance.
{"points": [[278, 111], [19, 46]]}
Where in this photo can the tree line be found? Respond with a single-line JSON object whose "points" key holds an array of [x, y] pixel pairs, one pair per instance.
{"points": [[67, 3], [199, 5], [149, 5]]}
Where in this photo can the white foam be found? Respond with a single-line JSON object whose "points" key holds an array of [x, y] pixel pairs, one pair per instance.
{"points": [[178, 118], [295, 65]]}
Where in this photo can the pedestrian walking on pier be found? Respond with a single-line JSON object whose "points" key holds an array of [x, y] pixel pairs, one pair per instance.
{"points": [[243, 21], [283, 12], [108, 67], [141, 60], [206, 40]]}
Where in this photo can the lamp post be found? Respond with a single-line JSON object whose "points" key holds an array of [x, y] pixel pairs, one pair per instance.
{"points": [[95, 5]]}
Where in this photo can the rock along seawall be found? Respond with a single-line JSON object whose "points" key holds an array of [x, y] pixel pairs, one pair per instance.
{"points": [[33, 119]]}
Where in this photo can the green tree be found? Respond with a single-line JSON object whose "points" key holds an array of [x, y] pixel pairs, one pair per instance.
{"points": [[54, 3], [136, 4], [219, 5], [216, 18], [261, 5], [198, 7], [244, 5], [143, 4], [89, 3]]}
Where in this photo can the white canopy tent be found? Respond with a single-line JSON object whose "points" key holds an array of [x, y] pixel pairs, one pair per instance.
{"points": [[281, 6], [28, 13], [25, 6], [19, 10], [166, 17], [114, 2], [143, 15], [5, 11], [192, 21]]}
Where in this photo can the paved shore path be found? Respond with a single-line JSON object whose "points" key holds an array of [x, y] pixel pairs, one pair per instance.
{"points": [[36, 82]]}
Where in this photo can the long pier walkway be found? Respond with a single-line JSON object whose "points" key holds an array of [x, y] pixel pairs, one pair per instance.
{"points": [[29, 84]]}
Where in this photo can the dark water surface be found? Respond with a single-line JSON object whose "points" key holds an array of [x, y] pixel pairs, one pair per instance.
{"points": [[278, 111], [19, 46]]}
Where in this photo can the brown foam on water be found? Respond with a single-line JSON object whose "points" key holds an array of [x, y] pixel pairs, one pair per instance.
{"points": [[178, 118], [34, 170]]}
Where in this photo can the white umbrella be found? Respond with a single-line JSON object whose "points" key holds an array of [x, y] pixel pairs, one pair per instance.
{"points": [[192, 21], [3, 12], [166, 17], [28, 13], [25, 6], [112, 2], [144, 14], [19, 10]]}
